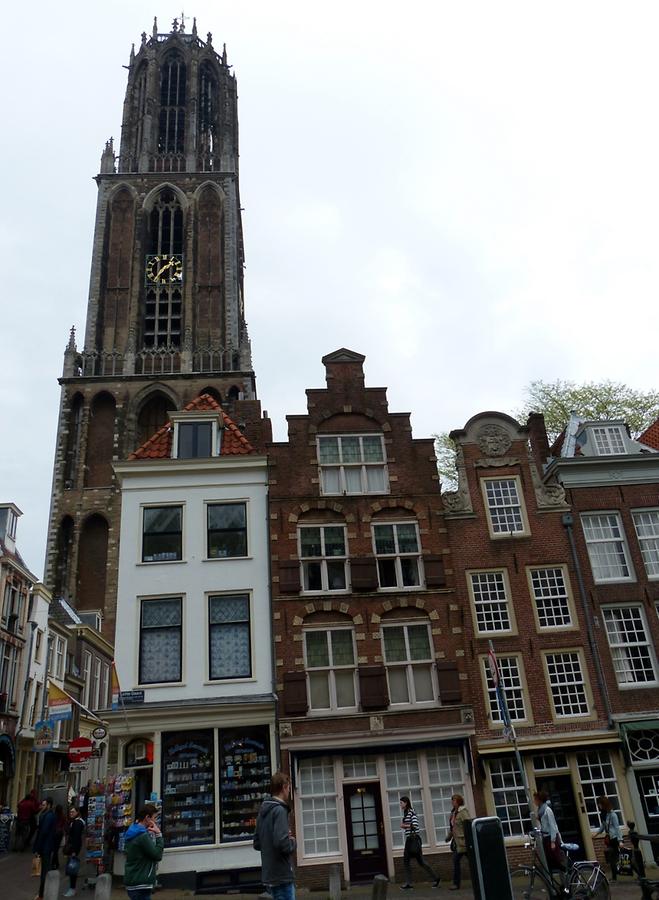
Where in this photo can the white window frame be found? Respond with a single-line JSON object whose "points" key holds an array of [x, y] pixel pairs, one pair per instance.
{"points": [[397, 556], [317, 804], [619, 540], [343, 465], [322, 560], [330, 671], [649, 543], [181, 627], [211, 595], [216, 434], [558, 683], [86, 676], [212, 504], [96, 682], [515, 822], [608, 440], [478, 606], [598, 777], [103, 690], [548, 593], [155, 562], [409, 664], [513, 679], [622, 650], [60, 658], [505, 509]]}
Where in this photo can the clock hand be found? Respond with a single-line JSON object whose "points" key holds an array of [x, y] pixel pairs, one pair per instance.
{"points": [[164, 268]]}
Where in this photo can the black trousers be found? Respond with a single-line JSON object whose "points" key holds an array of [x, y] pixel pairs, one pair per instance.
{"points": [[413, 851]]}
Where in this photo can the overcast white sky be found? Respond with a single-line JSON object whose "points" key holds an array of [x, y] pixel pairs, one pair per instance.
{"points": [[465, 192]]}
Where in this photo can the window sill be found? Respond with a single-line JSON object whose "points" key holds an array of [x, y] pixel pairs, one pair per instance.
{"points": [[212, 682], [635, 685], [160, 562], [159, 684], [628, 580], [406, 588], [214, 559], [322, 592]]}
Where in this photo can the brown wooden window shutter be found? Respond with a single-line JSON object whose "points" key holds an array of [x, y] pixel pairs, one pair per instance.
{"points": [[289, 577], [373, 687], [364, 574], [433, 566], [448, 679], [295, 694]]}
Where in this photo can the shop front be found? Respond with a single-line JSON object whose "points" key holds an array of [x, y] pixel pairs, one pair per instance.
{"points": [[209, 778], [642, 751], [347, 805]]}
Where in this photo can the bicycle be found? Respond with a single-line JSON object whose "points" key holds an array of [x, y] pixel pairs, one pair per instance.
{"points": [[582, 880]]}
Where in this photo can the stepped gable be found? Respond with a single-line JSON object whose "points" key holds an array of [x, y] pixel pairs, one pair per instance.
{"points": [[159, 445]]}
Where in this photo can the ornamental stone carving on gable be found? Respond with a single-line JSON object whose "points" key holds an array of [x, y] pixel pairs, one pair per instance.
{"points": [[493, 440]]}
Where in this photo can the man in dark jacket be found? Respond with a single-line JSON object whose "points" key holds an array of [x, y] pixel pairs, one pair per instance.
{"points": [[44, 842], [275, 841], [144, 848]]}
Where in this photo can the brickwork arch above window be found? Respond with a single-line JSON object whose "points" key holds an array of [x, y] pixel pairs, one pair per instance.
{"points": [[305, 510]]}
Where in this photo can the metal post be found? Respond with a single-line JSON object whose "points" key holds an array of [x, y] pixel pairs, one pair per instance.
{"points": [[41, 762]]}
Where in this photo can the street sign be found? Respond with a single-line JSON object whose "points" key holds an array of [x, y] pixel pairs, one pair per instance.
{"points": [[80, 749], [99, 733], [78, 766], [130, 698]]}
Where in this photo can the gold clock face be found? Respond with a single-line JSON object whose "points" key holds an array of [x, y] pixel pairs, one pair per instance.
{"points": [[164, 268]]}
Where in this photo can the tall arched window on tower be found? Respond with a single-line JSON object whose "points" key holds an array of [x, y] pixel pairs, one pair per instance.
{"points": [[164, 273], [139, 114], [171, 123], [92, 560], [207, 143], [100, 441], [152, 415]]}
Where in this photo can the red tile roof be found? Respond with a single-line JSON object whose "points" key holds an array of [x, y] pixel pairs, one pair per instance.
{"points": [[159, 445], [650, 436]]}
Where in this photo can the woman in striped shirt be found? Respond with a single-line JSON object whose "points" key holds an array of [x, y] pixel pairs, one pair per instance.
{"points": [[410, 826]]}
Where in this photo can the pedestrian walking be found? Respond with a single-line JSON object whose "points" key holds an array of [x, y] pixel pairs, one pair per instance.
{"points": [[144, 848], [413, 848], [44, 841], [26, 822], [612, 832], [73, 849], [275, 841], [456, 835], [60, 829]]}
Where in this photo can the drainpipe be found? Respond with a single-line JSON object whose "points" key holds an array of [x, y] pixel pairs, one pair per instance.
{"points": [[567, 521], [28, 666], [273, 646]]}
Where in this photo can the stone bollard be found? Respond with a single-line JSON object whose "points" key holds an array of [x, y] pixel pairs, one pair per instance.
{"points": [[103, 888], [51, 890], [380, 884], [335, 882]]}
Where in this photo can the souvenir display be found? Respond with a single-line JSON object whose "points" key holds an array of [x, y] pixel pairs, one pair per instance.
{"points": [[244, 779], [188, 796]]}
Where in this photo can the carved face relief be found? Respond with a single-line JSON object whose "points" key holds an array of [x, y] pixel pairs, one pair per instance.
{"points": [[493, 440]]}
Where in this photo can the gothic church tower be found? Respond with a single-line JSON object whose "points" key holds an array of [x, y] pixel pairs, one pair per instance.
{"points": [[165, 317]]}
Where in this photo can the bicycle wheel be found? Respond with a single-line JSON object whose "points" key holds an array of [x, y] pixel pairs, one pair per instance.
{"points": [[588, 882], [528, 885]]}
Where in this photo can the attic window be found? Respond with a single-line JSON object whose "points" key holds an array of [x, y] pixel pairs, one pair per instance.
{"points": [[195, 440], [608, 440]]}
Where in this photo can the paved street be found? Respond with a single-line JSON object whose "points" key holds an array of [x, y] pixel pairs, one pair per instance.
{"points": [[17, 884]]}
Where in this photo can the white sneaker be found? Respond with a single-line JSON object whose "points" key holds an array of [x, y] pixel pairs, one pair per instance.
{"points": [[70, 893]]}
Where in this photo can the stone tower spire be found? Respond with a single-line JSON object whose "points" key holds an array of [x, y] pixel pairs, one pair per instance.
{"points": [[165, 315]]}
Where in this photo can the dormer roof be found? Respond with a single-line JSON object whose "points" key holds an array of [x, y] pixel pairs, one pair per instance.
{"points": [[650, 436], [159, 445]]}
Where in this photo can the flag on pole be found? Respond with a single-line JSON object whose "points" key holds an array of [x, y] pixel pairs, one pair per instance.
{"points": [[60, 704], [116, 690]]}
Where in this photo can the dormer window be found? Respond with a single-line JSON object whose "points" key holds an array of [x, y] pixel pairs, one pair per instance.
{"points": [[608, 440], [196, 438]]}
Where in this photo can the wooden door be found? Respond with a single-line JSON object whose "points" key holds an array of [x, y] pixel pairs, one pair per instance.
{"points": [[367, 852]]}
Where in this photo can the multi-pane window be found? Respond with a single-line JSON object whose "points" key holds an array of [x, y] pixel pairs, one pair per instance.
{"points": [[551, 597], [86, 676], [509, 796], [598, 779], [511, 680], [504, 505], [445, 778], [608, 440], [324, 559], [330, 664], [162, 535], [163, 301], [38, 643], [8, 673], [227, 530], [103, 690], [160, 640], [490, 601], [229, 636], [317, 796], [96, 683], [607, 550], [397, 551], [646, 523], [403, 779], [195, 440], [408, 657], [567, 684], [352, 464], [60, 654], [633, 659]]}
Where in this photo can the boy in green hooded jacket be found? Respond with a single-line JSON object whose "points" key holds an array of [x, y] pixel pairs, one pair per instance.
{"points": [[144, 848]]}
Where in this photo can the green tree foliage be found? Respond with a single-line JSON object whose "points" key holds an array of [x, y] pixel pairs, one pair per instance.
{"points": [[556, 400]]}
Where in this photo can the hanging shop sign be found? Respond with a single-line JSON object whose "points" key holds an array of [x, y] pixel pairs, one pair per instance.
{"points": [[44, 734]]}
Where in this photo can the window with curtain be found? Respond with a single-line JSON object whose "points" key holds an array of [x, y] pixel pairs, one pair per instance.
{"points": [[161, 640], [323, 556], [229, 636], [330, 664], [352, 464], [397, 550], [408, 656]]}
